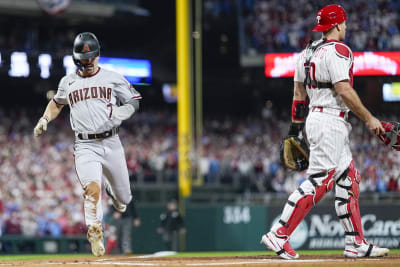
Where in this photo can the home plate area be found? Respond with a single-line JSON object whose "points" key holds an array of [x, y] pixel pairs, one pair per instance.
{"points": [[248, 261]]}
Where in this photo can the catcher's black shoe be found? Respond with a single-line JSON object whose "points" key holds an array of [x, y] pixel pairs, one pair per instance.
{"points": [[116, 204]]}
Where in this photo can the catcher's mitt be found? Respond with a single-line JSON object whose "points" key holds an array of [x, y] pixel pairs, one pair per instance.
{"points": [[295, 153], [391, 137]]}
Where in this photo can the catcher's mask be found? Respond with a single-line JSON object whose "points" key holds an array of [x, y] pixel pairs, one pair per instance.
{"points": [[391, 137], [86, 46]]}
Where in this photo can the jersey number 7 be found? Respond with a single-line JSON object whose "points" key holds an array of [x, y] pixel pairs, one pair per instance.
{"points": [[109, 105]]}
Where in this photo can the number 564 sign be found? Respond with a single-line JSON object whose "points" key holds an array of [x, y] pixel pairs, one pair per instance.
{"points": [[236, 214]]}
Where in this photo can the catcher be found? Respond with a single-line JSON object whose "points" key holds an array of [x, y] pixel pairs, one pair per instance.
{"points": [[324, 74]]}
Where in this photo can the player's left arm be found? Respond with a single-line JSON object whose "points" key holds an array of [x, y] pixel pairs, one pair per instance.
{"points": [[128, 95], [340, 65], [126, 111], [353, 102]]}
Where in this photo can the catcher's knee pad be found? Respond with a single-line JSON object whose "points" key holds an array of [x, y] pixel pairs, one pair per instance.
{"points": [[346, 204], [302, 200]]}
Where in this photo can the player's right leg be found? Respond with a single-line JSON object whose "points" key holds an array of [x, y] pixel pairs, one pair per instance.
{"points": [[298, 205], [88, 168], [348, 211]]}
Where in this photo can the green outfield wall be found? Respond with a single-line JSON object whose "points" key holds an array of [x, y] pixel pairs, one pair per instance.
{"points": [[230, 227]]}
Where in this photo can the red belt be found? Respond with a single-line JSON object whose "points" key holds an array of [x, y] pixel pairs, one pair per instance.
{"points": [[321, 109]]}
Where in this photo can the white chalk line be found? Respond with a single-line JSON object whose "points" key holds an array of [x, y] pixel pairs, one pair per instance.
{"points": [[154, 255], [103, 263], [222, 263]]}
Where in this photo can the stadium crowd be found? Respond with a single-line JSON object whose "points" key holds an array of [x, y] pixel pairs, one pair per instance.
{"points": [[265, 26], [40, 191], [285, 26]]}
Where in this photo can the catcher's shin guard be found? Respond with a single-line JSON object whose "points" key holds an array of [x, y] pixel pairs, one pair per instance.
{"points": [[301, 201], [348, 211], [346, 204]]}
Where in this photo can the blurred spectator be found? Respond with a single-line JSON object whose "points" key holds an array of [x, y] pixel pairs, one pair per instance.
{"points": [[283, 26], [13, 226]]}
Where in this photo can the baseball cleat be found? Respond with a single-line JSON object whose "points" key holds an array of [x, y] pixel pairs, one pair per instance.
{"points": [[280, 245], [117, 205], [366, 249], [95, 238]]}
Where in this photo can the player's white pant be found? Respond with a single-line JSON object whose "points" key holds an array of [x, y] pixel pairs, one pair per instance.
{"points": [[93, 159], [328, 136]]}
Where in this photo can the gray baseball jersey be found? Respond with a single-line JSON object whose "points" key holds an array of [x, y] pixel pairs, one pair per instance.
{"points": [[91, 100]]}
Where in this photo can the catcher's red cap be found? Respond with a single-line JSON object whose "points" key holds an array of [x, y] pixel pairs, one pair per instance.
{"points": [[328, 17]]}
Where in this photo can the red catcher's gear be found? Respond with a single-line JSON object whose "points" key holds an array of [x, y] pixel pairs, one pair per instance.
{"points": [[328, 17]]}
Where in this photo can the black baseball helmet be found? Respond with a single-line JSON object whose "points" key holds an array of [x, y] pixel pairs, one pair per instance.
{"points": [[86, 46]]}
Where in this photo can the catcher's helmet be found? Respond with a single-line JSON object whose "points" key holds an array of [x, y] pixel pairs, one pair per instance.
{"points": [[86, 46], [328, 17]]}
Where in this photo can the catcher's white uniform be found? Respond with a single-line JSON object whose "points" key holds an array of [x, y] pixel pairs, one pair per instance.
{"points": [[319, 68], [327, 128], [91, 101]]}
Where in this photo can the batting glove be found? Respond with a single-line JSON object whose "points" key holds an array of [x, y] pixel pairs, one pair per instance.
{"points": [[40, 127]]}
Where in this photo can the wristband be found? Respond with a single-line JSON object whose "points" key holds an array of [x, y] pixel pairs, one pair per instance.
{"points": [[298, 110]]}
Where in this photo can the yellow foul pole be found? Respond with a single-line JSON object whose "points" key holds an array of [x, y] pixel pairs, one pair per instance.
{"points": [[184, 82]]}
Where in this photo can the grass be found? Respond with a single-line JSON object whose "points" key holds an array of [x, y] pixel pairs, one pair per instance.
{"points": [[28, 257]]}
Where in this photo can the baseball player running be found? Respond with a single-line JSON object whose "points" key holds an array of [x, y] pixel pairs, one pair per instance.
{"points": [[99, 100], [324, 72]]}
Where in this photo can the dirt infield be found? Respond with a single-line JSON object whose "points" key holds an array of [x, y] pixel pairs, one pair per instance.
{"points": [[248, 261]]}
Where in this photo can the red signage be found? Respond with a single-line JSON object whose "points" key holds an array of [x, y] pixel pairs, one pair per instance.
{"points": [[365, 64]]}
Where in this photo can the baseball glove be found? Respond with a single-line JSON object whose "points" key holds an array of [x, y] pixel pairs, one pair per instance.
{"points": [[295, 153], [391, 137]]}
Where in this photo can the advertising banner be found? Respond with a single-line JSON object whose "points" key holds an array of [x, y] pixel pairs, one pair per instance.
{"points": [[321, 228], [365, 64]]}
